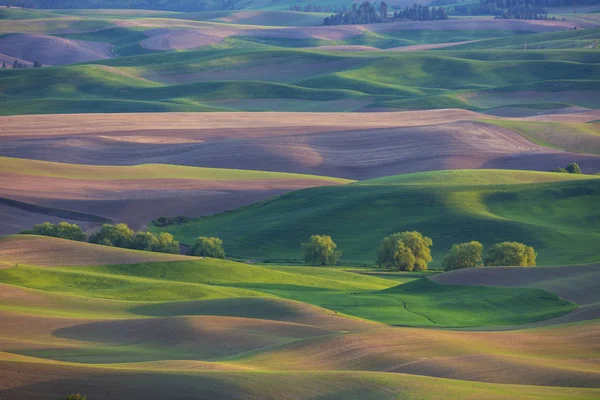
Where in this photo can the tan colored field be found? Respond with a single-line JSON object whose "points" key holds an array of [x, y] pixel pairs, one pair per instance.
{"points": [[50, 50], [52, 252], [354, 146]]}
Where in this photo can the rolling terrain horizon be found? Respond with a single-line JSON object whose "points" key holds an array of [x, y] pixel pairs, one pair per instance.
{"points": [[299, 200]]}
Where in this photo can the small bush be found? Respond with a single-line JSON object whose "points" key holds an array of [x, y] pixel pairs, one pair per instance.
{"points": [[207, 247], [464, 255], [166, 221], [511, 254], [75, 397]]}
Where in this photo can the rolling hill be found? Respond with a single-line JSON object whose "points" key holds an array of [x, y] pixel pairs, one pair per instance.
{"points": [[552, 212], [135, 194]]}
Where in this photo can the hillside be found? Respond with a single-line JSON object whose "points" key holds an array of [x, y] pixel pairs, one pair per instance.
{"points": [[135, 194], [552, 212], [220, 322], [352, 146]]}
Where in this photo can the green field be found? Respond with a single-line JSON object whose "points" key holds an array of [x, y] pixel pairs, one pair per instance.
{"points": [[278, 73], [114, 323], [146, 171], [573, 137], [552, 212], [414, 302]]}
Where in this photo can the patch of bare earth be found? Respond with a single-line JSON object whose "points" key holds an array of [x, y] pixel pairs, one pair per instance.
{"points": [[50, 50], [178, 39], [137, 202], [53, 252]]}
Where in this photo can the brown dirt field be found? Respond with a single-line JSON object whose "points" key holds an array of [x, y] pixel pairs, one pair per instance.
{"points": [[14, 220], [355, 153], [583, 116], [50, 50], [178, 39], [430, 46], [214, 125], [557, 357], [53, 252], [576, 283], [136, 202], [261, 308]]}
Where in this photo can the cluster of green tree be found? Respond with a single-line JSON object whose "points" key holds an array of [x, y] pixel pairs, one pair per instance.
{"points": [[120, 235], [205, 246], [63, 230], [306, 8], [411, 251], [406, 251], [17, 64], [166, 221], [366, 13], [470, 255], [506, 9], [167, 5], [572, 168]]}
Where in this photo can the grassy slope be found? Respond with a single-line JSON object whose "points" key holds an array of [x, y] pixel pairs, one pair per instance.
{"points": [[573, 137], [402, 80], [552, 212], [144, 171], [417, 303]]}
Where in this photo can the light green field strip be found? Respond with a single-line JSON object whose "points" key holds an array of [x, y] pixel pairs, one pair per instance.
{"points": [[574, 137], [480, 177], [144, 171]]}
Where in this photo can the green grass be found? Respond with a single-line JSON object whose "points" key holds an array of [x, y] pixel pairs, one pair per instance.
{"points": [[105, 286], [552, 212], [417, 302], [241, 71], [422, 302], [573, 137], [144, 171]]}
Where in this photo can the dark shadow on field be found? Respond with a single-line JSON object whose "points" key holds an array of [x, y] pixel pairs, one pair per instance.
{"points": [[102, 384], [245, 307], [589, 164]]}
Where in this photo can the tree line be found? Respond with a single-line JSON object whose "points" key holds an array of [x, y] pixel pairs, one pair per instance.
{"points": [[411, 251], [367, 13], [17, 64], [114, 235], [572, 168]]}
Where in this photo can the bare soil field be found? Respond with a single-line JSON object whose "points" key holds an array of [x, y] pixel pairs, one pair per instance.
{"points": [[137, 202], [165, 39], [377, 144], [50, 50], [53, 252]]}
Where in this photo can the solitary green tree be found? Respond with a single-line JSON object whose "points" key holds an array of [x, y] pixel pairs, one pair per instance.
{"points": [[464, 255], [573, 168], [207, 247], [321, 250], [511, 254], [395, 251]]}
